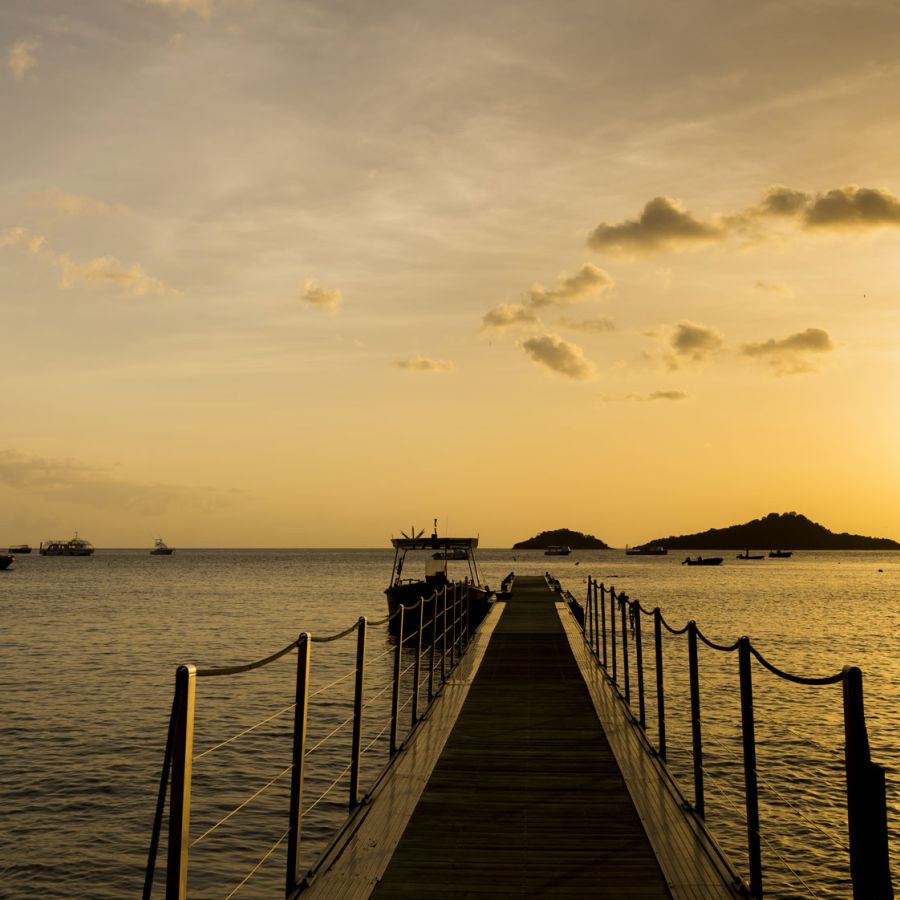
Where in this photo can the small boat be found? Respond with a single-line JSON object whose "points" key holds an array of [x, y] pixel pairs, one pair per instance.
{"points": [[20, 548], [646, 551], [75, 546], [6, 561], [748, 555], [160, 548], [780, 554], [557, 551], [703, 561]]}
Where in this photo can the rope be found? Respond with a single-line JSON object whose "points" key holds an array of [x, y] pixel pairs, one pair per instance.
{"points": [[328, 790], [380, 656], [344, 677], [236, 670], [796, 679], [375, 739], [237, 809], [328, 736], [280, 712], [374, 697], [668, 627], [714, 645], [787, 865], [335, 637], [383, 621], [256, 868]]}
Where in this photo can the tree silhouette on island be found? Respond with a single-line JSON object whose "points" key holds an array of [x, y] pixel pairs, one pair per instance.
{"points": [[562, 537]]}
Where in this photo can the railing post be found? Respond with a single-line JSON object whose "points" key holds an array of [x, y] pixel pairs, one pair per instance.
{"points": [[603, 620], [304, 643], [696, 732], [180, 797], [417, 665], [587, 626], [623, 602], [444, 635], [357, 711], [395, 695], [660, 686], [595, 644], [431, 645], [612, 632], [866, 803], [751, 789], [639, 653]]}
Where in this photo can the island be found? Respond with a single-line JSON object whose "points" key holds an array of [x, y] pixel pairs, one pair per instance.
{"points": [[562, 537], [786, 531]]}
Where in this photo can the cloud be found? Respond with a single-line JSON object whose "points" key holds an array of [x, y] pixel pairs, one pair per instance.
{"points": [[593, 326], [853, 207], [108, 270], [662, 225], [791, 355], [508, 315], [12, 237], [73, 204], [666, 395], [559, 356], [201, 8], [420, 363], [688, 344], [326, 299], [773, 287], [588, 280], [20, 59]]}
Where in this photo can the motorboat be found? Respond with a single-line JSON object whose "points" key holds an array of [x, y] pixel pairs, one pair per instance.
{"points": [[20, 549], [160, 548], [557, 551], [646, 551], [75, 546], [748, 555], [436, 576], [6, 561], [703, 561], [780, 554]]}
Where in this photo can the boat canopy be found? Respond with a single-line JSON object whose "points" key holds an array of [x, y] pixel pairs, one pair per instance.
{"points": [[433, 542]]}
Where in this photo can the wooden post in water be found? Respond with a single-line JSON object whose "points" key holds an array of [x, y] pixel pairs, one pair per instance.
{"points": [[395, 694], [751, 789], [696, 731], [180, 797], [660, 686], [298, 754], [357, 711], [866, 802]]}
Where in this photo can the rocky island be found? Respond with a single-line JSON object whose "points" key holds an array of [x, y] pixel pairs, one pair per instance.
{"points": [[788, 531], [561, 537]]}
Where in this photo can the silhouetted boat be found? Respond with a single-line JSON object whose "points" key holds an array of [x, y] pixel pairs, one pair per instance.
{"points": [[6, 561], [160, 548], [748, 555], [780, 554], [455, 553], [645, 551], [20, 548], [557, 551], [703, 561], [76, 546]]}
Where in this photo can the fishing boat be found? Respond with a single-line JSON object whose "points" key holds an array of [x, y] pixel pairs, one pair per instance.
{"points": [[645, 551], [75, 546], [160, 548], [703, 561], [20, 548], [557, 551], [748, 555], [6, 561], [780, 554], [439, 550]]}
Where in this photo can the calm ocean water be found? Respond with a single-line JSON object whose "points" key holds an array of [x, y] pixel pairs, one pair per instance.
{"points": [[90, 647]]}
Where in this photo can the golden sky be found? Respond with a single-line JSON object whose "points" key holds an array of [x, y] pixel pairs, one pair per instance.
{"points": [[285, 273]]}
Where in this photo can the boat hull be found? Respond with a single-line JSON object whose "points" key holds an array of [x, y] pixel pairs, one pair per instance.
{"points": [[159, 551], [6, 561], [20, 549], [409, 594], [703, 561]]}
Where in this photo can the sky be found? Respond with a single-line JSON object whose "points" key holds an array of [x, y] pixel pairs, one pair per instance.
{"points": [[277, 273]]}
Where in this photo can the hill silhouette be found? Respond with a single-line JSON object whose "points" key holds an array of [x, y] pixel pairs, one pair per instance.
{"points": [[786, 531], [561, 537]]}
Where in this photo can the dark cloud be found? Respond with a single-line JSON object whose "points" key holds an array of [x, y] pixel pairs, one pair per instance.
{"points": [[853, 207], [559, 356], [666, 395], [686, 345], [419, 363], [791, 355], [588, 280], [594, 326], [508, 315]]}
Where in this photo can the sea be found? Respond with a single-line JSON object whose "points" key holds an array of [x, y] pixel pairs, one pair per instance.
{"points": [[89, 649]]}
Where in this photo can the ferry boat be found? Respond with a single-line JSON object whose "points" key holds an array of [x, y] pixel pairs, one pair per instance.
{"points": [[75, 546], [407, 591], [646, 551], [20, 548], [557, 551], [6, 561], [160, 548]]}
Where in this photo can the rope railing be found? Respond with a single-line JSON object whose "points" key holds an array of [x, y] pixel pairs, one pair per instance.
{"points": [[432, 633], [611, 621]]}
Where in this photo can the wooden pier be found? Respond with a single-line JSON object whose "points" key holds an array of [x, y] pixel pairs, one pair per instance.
{"points": [[511, 787]]}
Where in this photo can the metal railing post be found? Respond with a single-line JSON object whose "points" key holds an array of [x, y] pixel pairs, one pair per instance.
{"points": [[395, 695], [417, 665], [444, 636], [595, 631], [751, 788], [357, 711], [639, 654], [866, 802], [431, 645], [603, 620], [612, 633], [453, 628], [660, 686], [304, 644], [587, 624], [623, 602], [180, 797], [696, 732]]}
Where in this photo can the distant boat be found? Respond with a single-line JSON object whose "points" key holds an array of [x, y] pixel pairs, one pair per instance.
{"points": [[645, 551], [76, 546], [20, 548], [748, 555], [780, 554], [6, 561], [557, 551], [703, 561], [160, 548], [451, 553]]}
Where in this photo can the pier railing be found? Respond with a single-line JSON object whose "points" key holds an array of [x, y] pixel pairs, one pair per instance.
{"points": [[426, 648], [612, 626]]}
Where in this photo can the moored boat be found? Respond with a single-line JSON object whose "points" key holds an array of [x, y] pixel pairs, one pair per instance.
{"points": [[748, 555], [6, 561], [646, 551], [780, 554], [557, 551], [75, 546], [703, 561], [20, 548], [160, 548]]}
